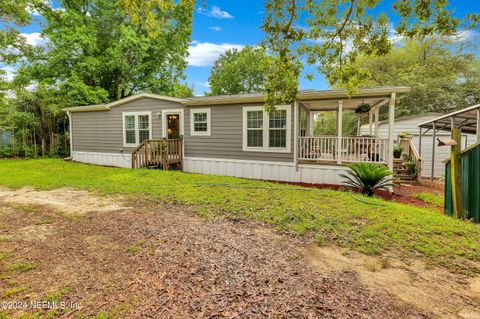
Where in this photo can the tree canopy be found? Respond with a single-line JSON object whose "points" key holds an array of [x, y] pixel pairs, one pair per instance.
{"points": [[96, 53], [239, 71], [93, 51], [443, 73], [331, 34]]}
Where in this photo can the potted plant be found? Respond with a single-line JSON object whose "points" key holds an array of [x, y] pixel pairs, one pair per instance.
{"points": [[405, 135], [397, 151], [363, 109]]}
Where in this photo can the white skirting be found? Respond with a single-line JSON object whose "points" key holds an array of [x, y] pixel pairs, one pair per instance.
{"points": [[105, 159], [273, 171]]}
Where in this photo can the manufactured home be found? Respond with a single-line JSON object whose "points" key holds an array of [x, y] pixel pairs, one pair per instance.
{"points": [[232, 134]]}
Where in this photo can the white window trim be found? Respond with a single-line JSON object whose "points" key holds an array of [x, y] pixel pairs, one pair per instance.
{"points": [[192, 127], [179, 112], [266, 127], [137, 131]]}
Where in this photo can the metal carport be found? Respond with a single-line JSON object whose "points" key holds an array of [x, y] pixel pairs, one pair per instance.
{"points": [[468, 120]]}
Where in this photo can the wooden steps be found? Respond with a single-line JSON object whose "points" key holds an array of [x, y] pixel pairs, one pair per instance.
{"points": [[400, 172], [158, 154]]}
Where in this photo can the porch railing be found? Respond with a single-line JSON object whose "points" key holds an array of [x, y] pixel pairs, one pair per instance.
{"points": [[352, 149], [412, 154], [161, 153]]}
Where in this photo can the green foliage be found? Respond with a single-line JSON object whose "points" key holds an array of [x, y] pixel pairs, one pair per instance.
{"points": [[397, 150], [443, 74], [326, 123], [22, 267], [411, 168], [99, 51], [368, 177], [392, 228], [430, 198], [239, 71], [405, 135], [331, 35], [13, 291], [133, 249]]}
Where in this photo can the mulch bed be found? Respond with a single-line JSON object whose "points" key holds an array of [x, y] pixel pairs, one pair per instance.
{"points": [[402, 193], [184, 267]]}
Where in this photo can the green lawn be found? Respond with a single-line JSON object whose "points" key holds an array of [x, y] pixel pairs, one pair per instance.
{"points": [[328, 216], [430, 198]]}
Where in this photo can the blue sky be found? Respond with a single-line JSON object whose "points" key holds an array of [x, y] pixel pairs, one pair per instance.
{"points": [[225, 24]]}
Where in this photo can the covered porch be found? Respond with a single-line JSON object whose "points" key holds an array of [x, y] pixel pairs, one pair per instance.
{"points": [[340, 148]]}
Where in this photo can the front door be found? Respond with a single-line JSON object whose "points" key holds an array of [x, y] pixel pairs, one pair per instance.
{"points": [[173, 126]]}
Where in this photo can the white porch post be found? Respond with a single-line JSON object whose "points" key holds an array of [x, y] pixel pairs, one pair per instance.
{"points": [[370, 120], [307, 128], [311, 123], [376, 120], [295, 133], [391, 123], [434, 132], [339, 131], [70, 132]]}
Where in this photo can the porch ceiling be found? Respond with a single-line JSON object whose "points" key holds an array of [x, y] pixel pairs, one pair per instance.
{"points": [[348, 104]]}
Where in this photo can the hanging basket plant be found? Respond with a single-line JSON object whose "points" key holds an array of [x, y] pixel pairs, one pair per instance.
{"points": [[363, 109]]}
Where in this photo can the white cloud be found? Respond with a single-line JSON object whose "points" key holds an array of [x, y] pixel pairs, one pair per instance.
{"points": [[35, 38], [205, 53], [204, 84], [9, 73], [215, 28], [468, 35], [214, 12]]}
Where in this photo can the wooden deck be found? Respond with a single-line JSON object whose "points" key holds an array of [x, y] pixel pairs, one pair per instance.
{"points": [[158, 154]]}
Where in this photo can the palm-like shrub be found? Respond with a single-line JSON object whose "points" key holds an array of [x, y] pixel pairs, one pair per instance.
{"points": [[368, 177]]}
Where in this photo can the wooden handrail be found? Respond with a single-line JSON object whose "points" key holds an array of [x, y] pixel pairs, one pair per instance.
{"points": [[413, 155]]}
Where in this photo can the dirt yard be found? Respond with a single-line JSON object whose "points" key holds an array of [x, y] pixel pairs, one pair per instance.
{"points": [[103, 257]]}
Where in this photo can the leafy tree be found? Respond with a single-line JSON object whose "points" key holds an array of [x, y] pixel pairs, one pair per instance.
{"points": [[443, 73], [239, 71], [96, 52], [326, 123], [331, 34]]}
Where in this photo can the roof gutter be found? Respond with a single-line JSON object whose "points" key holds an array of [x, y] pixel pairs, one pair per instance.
{"points": [[301, 96]]}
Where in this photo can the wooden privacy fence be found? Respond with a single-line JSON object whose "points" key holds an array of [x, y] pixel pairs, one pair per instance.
{"points": [[470, 166], [158, 153]]}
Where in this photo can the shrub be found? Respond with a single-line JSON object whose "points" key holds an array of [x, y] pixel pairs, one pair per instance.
{"points": [[368, 177], [397, 151], [411, 168]]}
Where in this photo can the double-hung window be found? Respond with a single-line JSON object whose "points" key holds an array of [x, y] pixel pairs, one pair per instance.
{"points": [[200, 122], [266, 131], [137, 126]]}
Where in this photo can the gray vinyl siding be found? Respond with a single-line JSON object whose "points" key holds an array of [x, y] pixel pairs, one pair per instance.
{"points": [[102, 131], [226, 136]]}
